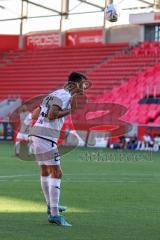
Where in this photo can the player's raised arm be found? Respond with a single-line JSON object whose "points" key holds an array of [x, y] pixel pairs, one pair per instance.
{"points": [[56, 112], [35, 113]]}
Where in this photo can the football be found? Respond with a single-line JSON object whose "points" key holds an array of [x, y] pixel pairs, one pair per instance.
{"points": [[111, 14]]}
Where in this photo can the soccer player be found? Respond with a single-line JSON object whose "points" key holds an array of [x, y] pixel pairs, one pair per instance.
{"points": [[44, 135], [22, 135]]}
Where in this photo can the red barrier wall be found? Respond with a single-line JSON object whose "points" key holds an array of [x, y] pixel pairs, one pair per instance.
{"points": [[84, 38], [43, 40], [88, 37], [8, 42]]}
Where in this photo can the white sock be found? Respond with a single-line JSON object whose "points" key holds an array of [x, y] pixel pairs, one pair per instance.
{"points": [[17, 147], [45, 188], [54, 194]]}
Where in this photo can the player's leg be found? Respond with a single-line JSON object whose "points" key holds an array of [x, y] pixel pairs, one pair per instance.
{"points": [[37, 148], [30, 150], [21, 138], [18, 144], [47, 154], [29, 145], [54, 188], [54, 194], [17, 147], [44, 179]]}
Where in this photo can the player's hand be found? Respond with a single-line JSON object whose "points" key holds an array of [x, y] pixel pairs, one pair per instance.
{"points": [[35, 113]]}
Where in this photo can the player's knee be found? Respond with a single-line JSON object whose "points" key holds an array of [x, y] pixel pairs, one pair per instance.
{"points": [[55, 171], [44, 171], [58, 174]]}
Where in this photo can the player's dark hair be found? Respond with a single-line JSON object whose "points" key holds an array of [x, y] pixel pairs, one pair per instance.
{"points": [[76, 77]]}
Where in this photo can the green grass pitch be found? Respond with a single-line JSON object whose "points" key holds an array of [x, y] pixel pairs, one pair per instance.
{"points": [[112, 195]]}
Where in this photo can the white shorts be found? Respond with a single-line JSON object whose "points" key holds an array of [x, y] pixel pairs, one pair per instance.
{"points": [[22, 137], [46, 152]]}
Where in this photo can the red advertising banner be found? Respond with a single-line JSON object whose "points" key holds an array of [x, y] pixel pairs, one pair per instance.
{"points": [[43, 40], [157, 16], [9, 42], [84, 38]]}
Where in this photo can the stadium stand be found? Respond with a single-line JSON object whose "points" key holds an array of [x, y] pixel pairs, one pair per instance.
{"points": [[119, 73], [123, 66], [39, 71], [6, 57], [130, 93]]}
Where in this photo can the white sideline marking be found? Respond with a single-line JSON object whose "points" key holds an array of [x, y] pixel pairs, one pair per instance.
{"points": [[73, 180], [69, 180], [83, 174], [99, 180], [80, 181], [18, 175]]}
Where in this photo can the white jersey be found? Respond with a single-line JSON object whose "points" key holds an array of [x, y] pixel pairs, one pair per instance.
{"points": [[50, 129]]}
